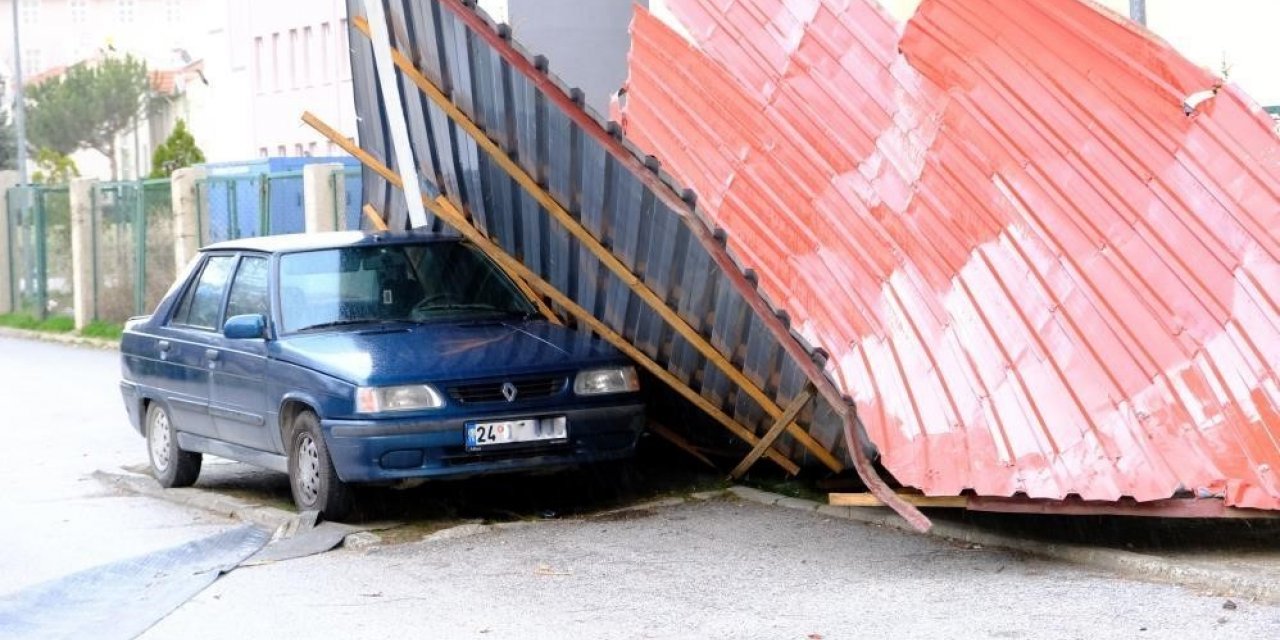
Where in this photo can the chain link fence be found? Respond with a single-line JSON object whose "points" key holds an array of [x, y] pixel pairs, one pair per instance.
{"points": [[39, 223], [259, 204], [132, 247], [131, 239]]}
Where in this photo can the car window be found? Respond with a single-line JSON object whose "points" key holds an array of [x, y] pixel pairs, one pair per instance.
{"points": [[399, 283], [201, 303], [249, 288]]}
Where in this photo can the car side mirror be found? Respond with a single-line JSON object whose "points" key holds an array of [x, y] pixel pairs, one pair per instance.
{"points": [[245, 327]]}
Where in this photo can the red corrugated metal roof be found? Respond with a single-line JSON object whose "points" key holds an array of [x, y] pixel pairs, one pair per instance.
{"points": [[1035, 272]]}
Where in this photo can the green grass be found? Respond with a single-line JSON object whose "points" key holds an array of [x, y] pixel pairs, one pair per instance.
{"points": [[53, 324], [104, 330], [61, 324]]}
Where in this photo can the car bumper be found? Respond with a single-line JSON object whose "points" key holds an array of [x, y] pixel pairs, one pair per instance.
{"points": [[132, 404], [388, 450]]}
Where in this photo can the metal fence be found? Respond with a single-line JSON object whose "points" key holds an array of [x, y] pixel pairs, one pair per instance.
{"points": [[132, 247], [259, 204], [39, 223], [132, 235]]}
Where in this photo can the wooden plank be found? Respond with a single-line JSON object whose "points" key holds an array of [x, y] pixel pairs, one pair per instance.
{"points": [[797, 405], [606, 257], [870, 500], [680, 443], [373, 217], [448, 213], [719, 253]]}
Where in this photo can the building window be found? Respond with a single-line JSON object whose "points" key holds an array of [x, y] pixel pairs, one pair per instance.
{"points": [[307, 53], [31, 61], [257, 64], [275, 62], [344, 52], [29, 11], [262, 152], [311, 150], [79, 11], [297, 150], [293, 58], [124, 10], [326, 35], [281, 151], [172, 14]]}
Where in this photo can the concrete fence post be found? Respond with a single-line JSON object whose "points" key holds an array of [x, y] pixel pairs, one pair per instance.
{"points": [[319, 202], [82, 266], [8, 180], [189, 224]]}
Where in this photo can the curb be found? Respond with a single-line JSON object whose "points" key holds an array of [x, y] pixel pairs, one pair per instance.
{"points": [[60, 338], [269, 517], [1225, 582]]}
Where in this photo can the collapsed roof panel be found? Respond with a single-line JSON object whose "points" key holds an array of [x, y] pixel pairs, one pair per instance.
{"points": [[569, 208], [1039, 244]]}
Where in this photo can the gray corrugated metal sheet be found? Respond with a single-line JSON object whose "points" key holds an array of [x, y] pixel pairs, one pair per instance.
{"points": [[615, 202]]}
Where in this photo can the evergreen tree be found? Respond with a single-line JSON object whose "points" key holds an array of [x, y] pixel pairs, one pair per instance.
{"points": [[177, 151]]}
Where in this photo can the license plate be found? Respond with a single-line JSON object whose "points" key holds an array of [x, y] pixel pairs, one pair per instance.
{"points": [[486, 434]]}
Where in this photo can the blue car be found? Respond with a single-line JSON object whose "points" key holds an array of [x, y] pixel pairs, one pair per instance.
{"points": [[344, 358]]}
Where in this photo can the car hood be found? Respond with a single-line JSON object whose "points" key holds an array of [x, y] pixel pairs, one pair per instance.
{"points": [[393, 354]]}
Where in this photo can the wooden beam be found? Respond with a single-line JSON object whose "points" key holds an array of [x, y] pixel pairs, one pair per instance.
{"points": [[680, 443], [797, 405], [448, 213], [870, 500], [606, 257], [663, 192], [374, 218]]}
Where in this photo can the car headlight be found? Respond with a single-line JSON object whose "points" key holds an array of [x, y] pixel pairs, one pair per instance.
{"points": [[594, 382], [409, 397]]}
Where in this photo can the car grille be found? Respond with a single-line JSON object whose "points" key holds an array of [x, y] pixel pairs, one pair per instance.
{"points": [[526, 389]]}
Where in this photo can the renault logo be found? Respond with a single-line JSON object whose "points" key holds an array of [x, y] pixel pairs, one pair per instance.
{"points": [[509, 391]]}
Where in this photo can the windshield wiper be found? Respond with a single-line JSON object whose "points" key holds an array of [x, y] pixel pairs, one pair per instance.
{"points": [[354, 321], [470, 306]]}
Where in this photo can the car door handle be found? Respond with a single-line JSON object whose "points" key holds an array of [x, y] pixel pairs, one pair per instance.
{"points": [[212, 354], [164, 346]]}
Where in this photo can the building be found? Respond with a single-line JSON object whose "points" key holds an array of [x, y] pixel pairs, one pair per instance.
{"points": [[279, 59], [586, 42], [240, 73]]}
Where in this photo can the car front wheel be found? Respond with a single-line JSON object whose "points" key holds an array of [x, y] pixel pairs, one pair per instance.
{"points": [[171, 466], [314, 481]]}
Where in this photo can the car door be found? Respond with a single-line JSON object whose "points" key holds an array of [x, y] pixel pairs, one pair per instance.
{"points": [[237, 374], [185, 343]]}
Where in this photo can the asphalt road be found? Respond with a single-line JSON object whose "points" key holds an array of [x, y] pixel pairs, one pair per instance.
{"points": [[718, 569]]}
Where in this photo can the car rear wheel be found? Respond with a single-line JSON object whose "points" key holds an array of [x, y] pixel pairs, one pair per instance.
{"points": [[171, 466], [314, 481]]}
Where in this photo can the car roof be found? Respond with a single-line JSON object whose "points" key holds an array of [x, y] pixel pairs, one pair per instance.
{"points": [[292, 242]]}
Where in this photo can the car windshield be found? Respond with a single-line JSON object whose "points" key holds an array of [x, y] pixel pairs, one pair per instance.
{"points": [[391, 284]]}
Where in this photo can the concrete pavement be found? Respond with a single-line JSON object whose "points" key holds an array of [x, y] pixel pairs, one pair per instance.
{"points": [[714, 569], [63, 419]]}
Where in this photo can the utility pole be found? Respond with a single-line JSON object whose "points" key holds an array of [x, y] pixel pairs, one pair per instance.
{"points": [[1138, 11], [19, 102]]}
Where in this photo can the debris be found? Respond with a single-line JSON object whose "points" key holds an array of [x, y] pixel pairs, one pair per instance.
{"points": [[546, 570], [1229, 605]]}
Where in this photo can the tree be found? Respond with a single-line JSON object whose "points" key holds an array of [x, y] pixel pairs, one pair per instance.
{"points": [[8, 143], [54, 168], [177, 151], [88, 106]]}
